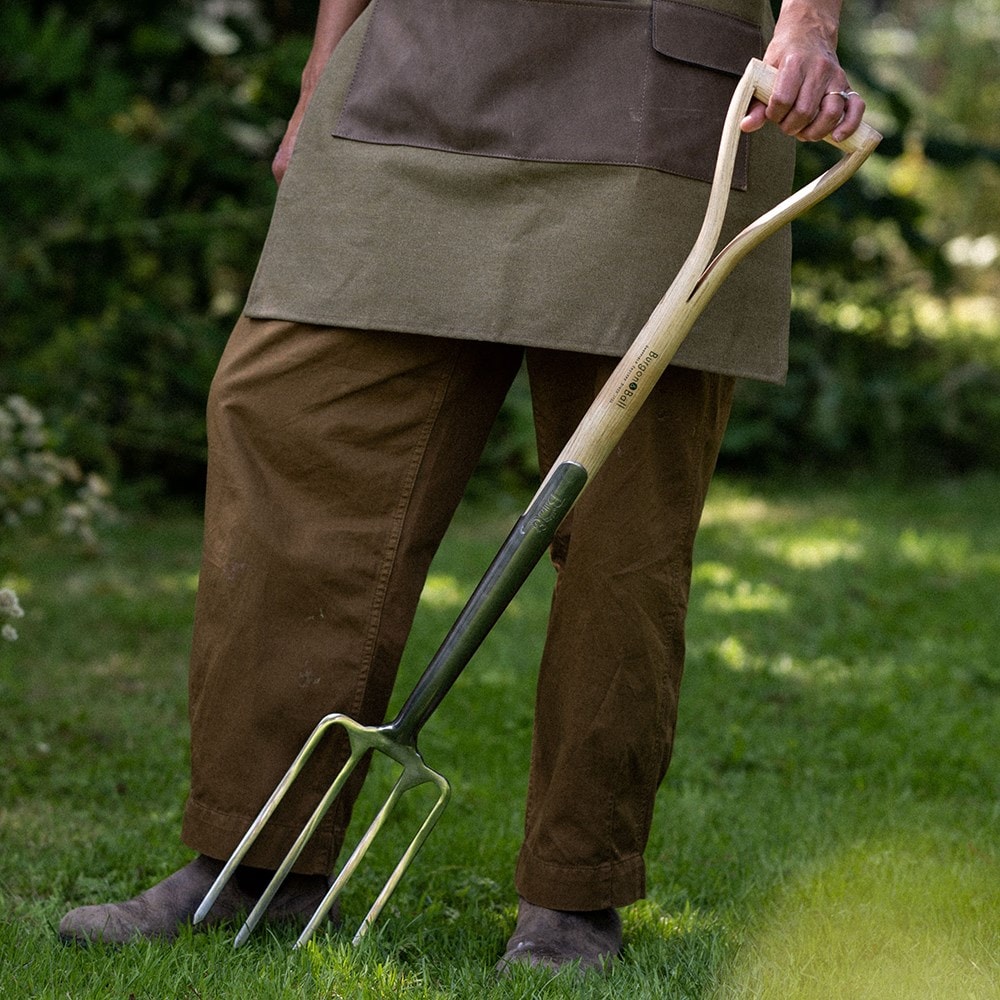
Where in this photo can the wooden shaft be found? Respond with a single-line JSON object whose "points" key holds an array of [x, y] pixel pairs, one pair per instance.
{"points": [[699, 277]]}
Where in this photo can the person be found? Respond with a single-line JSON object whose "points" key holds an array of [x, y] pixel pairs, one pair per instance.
{"points": [[465, 185]]}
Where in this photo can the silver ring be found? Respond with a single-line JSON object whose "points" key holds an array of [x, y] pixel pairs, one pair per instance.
{"points": [[845, 94]]}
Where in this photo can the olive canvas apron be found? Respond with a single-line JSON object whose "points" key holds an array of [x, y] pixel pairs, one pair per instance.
{"points": [[530, 172]]}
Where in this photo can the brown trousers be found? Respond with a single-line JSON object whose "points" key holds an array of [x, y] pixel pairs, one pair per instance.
{"points": [[336, 460]]}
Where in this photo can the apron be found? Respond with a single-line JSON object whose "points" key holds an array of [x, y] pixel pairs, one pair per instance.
{"points": [[530, 172]]}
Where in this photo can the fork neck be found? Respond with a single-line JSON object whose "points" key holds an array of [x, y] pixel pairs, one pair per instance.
{"points": [[512, 565]]}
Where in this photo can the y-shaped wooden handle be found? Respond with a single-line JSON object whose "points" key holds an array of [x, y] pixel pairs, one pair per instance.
{"points": [[699, 277]]}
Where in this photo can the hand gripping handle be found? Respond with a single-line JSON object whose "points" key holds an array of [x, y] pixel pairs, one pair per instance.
{"points": [[762, 78]]}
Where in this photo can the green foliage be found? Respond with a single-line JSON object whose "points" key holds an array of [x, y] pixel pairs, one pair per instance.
{"points": [[134, 171], [889, 384], [136, 194], [895, 350]]}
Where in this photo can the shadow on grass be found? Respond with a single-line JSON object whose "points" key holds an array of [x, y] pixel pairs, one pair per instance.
{"points": [[828, 827], [835, 793]]}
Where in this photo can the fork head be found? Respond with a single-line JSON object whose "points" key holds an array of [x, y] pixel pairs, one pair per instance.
{"points": [[362, 739]]}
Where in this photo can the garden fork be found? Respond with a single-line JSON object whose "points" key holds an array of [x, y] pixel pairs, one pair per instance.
{"points": [[586, 450]]}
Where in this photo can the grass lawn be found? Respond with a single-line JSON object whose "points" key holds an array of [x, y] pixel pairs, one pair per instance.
{"points": [[829, 828]]}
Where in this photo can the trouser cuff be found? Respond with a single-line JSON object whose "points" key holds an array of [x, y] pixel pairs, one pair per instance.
{"points": [[564, 887], [216, 835]]}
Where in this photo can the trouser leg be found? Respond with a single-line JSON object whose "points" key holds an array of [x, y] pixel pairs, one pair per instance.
{"points": [[336, 459], [614, 653]]}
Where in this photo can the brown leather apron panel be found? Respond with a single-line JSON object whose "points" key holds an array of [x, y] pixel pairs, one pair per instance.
{"points": [[597, 81]]}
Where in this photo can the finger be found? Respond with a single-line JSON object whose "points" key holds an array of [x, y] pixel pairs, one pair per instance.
{"points": [[811, 106], [832, 108], [853, 114], [839, 126], [284, 154], [278, 167], [755, 116], [784, 94]]}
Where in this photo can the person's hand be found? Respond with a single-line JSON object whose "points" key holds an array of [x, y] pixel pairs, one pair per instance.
{"points": [[812, 98], [284, 154], [332, 21]]}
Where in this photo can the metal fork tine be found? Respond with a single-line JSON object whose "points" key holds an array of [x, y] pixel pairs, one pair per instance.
{"points": [[403, 784], [362, 739], [351, 865], [408, 855], [296, 849], [268, 810]]}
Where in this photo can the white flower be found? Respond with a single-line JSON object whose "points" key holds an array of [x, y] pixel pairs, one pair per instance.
{"points": [[96, 486], [24, 411], [33, 437], [11, 469], [11, 608], [9, 604], [32, 507]]}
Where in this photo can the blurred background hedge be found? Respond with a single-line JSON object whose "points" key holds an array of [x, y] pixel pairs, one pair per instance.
{"points": [[135, 143]]}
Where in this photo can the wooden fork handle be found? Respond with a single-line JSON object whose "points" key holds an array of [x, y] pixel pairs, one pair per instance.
{"points": [[699, 277], [762, 78]]}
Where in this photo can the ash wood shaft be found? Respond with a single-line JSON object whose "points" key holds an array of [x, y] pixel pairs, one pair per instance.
{"points": [[699, 277]]}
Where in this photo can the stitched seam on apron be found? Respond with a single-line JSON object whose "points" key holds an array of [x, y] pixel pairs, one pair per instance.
{"points": [[591, 99]]}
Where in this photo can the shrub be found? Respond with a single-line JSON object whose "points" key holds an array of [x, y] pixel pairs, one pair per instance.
{"points": [[41, 490], [137, 189]]}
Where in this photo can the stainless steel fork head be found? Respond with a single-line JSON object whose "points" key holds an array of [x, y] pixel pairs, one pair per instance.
{"points": [[414, 772]]}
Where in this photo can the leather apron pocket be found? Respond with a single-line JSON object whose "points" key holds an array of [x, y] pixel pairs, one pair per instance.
{"points": [[575, 81]]}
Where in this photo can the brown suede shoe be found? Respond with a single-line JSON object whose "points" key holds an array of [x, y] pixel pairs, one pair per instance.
{"points": [[160, 912], [552, 939]]}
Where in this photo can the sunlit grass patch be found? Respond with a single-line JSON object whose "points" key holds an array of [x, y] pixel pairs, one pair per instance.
{"points": [[830, 816], [442, 591], [912, 918]]}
